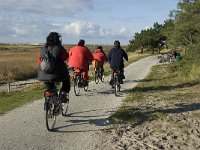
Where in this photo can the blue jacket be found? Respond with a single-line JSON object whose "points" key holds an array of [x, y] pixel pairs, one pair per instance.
{"points": [[116, 58]]}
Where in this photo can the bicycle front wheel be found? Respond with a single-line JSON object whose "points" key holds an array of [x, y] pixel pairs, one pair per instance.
{"points": [[50, 117]]}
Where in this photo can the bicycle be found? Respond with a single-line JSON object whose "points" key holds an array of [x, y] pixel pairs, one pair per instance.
{"points": [[78, 81], [116, 80], [53, 107], [98, 75]]}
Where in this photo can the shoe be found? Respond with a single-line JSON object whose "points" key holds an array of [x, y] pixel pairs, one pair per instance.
{"points": [[121, 82], [64, 97], [122, 76], [111, 82]]}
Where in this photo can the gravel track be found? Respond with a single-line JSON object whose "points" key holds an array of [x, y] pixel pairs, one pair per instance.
{"points": [[24, 128]]}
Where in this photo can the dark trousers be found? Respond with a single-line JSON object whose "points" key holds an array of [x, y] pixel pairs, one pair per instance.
{"points": [[65, 87], [121, 73]]}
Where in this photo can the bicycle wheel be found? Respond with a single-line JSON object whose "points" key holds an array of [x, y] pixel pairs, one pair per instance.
{"points": [[102, 78], [116, 86], [50, 117], [77, 86], [96, 77], [65, 108], [101, 75]]}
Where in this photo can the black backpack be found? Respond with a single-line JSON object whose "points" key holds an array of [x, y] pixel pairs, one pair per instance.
{"points": [[47, 61]]}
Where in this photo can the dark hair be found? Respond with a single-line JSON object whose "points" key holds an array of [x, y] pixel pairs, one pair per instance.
{"points": [[99, 47], [53, 39], [81, 42], [117, 43]]}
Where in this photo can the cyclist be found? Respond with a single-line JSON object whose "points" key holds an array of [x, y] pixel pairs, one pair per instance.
{"points": [[80, 57], [60, 72], [101, 57], [116, 58]]}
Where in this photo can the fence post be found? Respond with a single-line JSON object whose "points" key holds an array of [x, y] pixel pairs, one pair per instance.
{"points": [[9, 87]]}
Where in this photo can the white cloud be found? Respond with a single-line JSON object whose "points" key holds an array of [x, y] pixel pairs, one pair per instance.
{"points": [[32, 20], [123, 33], [85, 29]]}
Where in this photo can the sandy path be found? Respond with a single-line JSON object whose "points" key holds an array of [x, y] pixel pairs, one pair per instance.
{"points": [[24, 128]]}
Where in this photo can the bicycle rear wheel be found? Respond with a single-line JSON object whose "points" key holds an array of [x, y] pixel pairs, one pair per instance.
{"points": [[65, 108], [96, 77], [116, 86], [50, 117], [77, 86], [102, 78]]}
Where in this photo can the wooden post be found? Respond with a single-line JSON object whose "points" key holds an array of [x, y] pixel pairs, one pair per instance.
{"points": [[9, 87]]}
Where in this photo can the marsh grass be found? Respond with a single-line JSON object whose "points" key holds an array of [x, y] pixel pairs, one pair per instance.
{"points": [[18, 62], [163, 91]]}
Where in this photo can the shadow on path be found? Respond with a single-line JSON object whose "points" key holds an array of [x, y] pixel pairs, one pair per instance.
{"points": [[140, 116], [82, 118]]}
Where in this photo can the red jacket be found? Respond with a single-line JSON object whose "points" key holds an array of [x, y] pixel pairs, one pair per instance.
{"points": [[79, 57], [63, 55], [100, 57]]}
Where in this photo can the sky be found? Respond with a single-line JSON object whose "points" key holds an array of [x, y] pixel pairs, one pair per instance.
{"points": [[95, 21]]}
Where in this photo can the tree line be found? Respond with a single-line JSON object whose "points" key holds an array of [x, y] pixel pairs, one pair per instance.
{"points": [[180, 31]]}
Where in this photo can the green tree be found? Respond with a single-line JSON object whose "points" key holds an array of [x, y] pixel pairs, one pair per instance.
{"points": [[150, 39], [187, 27], [168, 32]]}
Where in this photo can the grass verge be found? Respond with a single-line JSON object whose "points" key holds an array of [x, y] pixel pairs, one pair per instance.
{"points": [[168, 89], [13, 100]]}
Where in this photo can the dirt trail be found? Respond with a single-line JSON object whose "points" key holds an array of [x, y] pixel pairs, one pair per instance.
{"points": [[24, 128]]}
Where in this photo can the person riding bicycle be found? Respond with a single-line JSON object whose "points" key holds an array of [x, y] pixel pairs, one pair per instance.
{"points": [[60, 72], [116, 58], [101, 57], [80, 57]]}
